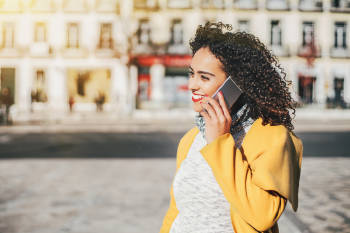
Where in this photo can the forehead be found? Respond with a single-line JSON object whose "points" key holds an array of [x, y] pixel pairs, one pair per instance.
{"points": [[204, 59]]}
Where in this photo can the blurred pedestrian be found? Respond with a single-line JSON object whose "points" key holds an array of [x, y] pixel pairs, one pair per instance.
{"points": [[238, 167], [6, 101], [71, 103], [99, 101]]}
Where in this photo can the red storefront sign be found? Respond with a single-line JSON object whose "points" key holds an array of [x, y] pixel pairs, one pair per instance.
{"points": [[177, 60], [167, 60], [149, 60]]}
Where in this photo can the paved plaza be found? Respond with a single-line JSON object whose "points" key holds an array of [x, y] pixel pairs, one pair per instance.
{"points": [[131, 195]]}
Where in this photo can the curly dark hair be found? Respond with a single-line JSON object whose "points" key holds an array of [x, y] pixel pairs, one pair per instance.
{"points": [[255, 70]]}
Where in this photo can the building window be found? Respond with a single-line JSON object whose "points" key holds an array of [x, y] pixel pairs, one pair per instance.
{"points": [[310, 5], [10, 6], [8, 35], [277, 4], [40, 32], [107, 5], [243, 25], [74, 5], [309, 47], [145, 4], [72, 35], [340, 35], [276, 33], [213, 4], [341, 3], [339, 92], [246, 4], [38, 93], [176, 45], [42, 5], [106, 41], [144, 32], [177, 32], [179, 4], [308, 33], [306, 88]]}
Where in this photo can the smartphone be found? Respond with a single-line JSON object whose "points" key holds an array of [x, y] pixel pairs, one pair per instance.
{"points": [[230, 91]]}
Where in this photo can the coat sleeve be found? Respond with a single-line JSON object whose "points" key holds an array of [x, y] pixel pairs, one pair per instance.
{"points": [[253, 190], [170, 214]]}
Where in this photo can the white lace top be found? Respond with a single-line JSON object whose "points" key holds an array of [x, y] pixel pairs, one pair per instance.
{"points": [[202, 205]]}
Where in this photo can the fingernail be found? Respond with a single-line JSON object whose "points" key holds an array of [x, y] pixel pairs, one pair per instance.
{"points": [[206, 95], [220, 92]]}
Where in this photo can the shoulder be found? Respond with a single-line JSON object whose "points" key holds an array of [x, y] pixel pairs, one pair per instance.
{"points": [[266, 137], [189, 136], [185, 144]]}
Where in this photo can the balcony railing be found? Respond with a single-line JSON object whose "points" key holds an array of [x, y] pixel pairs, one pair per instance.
{"points": [[73, 6], [311, 5], [145, 5], [11, 52], [340, 6], [143, 49], [107, 6], [75, 52], [11, 6], [106, 53], [339, 52], [280, 50], [277, 4], [179, 4], [214, 4], [177, 49], [246, 4], [42, 6], [40, 49], [310, 51]]}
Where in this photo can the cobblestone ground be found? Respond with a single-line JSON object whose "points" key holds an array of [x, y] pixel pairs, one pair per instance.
{"points": [[131, 195], [324, 197]]}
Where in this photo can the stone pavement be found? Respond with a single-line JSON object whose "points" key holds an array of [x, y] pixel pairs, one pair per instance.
{"points": [[131, 196], [324, 196]]}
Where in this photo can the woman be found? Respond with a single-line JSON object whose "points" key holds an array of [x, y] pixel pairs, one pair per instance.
{"points": [[238, 167]]}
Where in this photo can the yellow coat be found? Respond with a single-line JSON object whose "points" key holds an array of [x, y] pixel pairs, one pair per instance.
{"points": [[257, 179]]}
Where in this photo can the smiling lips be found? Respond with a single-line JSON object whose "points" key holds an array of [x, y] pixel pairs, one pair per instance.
{"points": [[197, 97]]}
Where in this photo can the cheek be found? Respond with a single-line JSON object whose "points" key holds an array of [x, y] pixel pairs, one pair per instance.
{"points": [[211, 88]]}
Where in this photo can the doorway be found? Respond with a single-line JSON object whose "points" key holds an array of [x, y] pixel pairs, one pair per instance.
{"points": [[8, 82], [306, 88]]}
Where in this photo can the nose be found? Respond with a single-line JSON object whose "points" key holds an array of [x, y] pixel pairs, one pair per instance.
{"points": [[193, 83]]}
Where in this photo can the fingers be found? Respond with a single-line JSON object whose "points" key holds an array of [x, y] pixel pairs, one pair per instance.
{"points": [[205, 115], [224, 106], [209, 109], [215, 105]]}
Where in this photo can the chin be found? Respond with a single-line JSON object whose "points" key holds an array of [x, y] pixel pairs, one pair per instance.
{"points": [[197, 107]]}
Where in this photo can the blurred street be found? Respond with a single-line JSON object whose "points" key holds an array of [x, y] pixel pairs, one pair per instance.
{"points": [[105, 179]]}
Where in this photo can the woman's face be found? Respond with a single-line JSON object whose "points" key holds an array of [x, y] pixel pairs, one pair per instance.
{"points": [[206, 76]]}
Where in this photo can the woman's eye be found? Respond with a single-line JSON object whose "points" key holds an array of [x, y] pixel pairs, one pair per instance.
{"points": [[190, 74], [204, 77]]}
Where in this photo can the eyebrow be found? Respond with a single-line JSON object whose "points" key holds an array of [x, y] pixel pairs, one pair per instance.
{"points": [[203, 72]]}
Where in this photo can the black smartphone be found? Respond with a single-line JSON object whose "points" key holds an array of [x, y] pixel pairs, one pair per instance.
{"points": [[230, 91]]}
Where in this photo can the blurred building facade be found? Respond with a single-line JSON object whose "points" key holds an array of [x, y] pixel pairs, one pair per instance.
{"points": [[57, 53], [127, 55]]}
